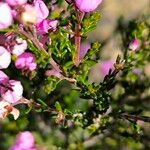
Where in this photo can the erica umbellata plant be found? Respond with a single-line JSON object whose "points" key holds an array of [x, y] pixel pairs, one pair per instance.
{"points": [[47, 84]]}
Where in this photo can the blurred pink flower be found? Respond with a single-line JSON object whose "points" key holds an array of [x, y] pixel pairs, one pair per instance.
{"points": [[87, 5], [105, 66], [16, 2], [134, 44], [41, 10], [5, 16], [24, 141], [137, 71], [84, 47], [46, 25], [6, 109], [26, 61], [19, 47], [5, 58], [12, 91]]}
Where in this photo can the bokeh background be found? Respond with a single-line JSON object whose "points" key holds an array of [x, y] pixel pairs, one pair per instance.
{"points": [[114, 13]]}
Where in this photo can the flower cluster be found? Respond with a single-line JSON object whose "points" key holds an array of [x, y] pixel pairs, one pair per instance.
{"points": [[15, 48], [11, 94], [25, 13]]}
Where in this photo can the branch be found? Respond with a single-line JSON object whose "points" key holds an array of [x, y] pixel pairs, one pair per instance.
{"points": [[38, 45], [135, 118], [77, 37]]}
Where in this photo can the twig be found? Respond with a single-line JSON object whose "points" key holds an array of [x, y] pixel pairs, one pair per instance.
{"points": [[80, 16], [33, 39], [38, 45], [55, 65], [135, 118]]}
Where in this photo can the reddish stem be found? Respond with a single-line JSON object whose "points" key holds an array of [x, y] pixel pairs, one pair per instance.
{"points": [[77, 37]]}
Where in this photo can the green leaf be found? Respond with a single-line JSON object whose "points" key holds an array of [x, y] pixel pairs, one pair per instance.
{"points": [[42, 102], [90, 22], [58, 106], [50, 84]]}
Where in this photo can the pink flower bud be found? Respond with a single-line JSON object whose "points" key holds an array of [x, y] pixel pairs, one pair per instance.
{"points": [[46, 25], [87, 5], [5, 16], [134, 44], [41, 10], [5, 58], [24, 141], [16, 2], [26, 61], [19, 47], [14, 93]]}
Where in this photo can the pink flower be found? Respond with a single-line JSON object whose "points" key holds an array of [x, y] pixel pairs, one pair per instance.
{"points": [[134, 44], [24, 141], [12, 91], [105, 66], [41, 10], [46, 25], [19, 47], [84, 47], [29, 15], [5, 16], [6, 108], [5, 58], [3, 77], [26, 61], [87, 5], [3, 81], [53, 24], [16, 2]]}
